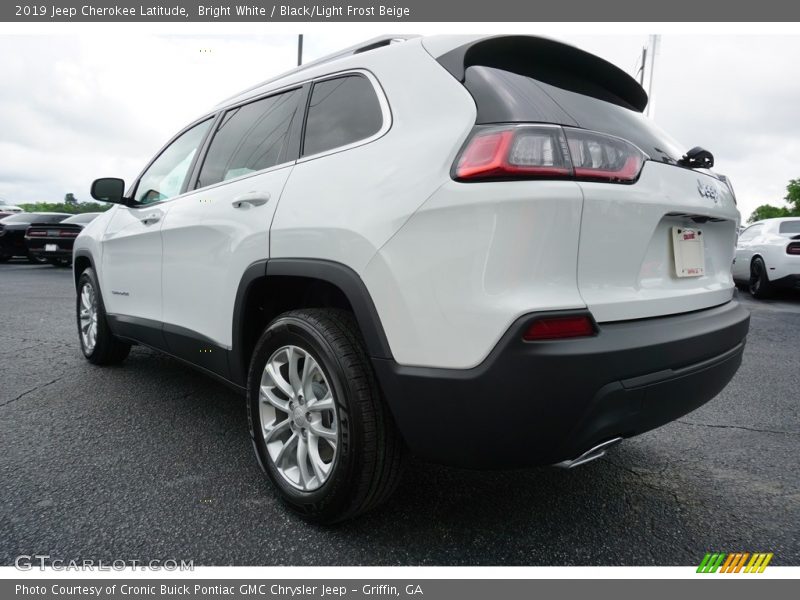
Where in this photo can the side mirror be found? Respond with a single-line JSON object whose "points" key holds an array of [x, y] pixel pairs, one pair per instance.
{"points": [[109, 189]]}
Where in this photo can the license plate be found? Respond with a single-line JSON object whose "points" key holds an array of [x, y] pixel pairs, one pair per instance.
{"points": [[50, 247], [689, 252]]}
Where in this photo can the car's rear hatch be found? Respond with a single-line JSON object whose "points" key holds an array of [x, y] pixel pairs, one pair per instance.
{"points": [[660, 243]]}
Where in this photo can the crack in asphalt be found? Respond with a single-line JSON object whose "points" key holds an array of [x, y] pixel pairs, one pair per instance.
{"points": [[34, 389], [743, 428]]}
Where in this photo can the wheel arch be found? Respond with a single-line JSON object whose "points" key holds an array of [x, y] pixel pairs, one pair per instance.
{"points": [[81, 260], [269, 287]]}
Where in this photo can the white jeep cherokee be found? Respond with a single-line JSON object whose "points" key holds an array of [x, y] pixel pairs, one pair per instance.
{"points": [[473, 248]]}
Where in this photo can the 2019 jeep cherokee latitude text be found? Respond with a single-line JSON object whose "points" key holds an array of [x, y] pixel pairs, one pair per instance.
{"points": [[475, 249]]}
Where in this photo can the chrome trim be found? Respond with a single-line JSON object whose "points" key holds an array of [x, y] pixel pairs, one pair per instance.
{"points": [[594, 453]]}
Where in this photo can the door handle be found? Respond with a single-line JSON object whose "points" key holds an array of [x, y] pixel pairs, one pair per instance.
{"points": [[151, 218], [251, 199]]}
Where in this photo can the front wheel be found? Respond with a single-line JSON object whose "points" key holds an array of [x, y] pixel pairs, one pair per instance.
{"points": [[759, 285], [98, 344], [322, 431]]}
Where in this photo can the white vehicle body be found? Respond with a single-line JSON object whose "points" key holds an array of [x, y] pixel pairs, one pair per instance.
{"points": [[777, 243], [444, 274]]}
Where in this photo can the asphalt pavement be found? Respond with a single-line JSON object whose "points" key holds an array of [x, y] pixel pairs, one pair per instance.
{"points": [[151, 460]]}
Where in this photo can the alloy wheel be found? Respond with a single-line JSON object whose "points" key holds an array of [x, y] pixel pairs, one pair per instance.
{"points": [[88, 316], [298, 418]]}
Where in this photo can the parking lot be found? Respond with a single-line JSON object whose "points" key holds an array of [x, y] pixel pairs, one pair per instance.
{"points": [[151, 460]]}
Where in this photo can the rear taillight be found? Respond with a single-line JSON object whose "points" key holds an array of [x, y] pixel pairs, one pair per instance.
{"points": [[67, 233], [555, 328], [793, 248], [547, 152], [36, 233]]}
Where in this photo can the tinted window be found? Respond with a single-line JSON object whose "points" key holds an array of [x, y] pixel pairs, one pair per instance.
{"points": [[82, 218], [503, 96], [342, 111], [789, 227], [164, 178], [749, 233], [251, 138], [19, 218]]}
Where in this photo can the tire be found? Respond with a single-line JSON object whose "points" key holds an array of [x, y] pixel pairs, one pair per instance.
{"points": [[759, 285], [4, 258], [105, 349], [365, 467]]}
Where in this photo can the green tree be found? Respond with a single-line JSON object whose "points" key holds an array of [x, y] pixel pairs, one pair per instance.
{"points": [[70, 199], [768, 211], [63, 207], [793, 195]]}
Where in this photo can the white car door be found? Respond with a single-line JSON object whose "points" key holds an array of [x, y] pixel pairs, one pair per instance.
{"points": [[130, 277], [214, 233], [744, 252]]}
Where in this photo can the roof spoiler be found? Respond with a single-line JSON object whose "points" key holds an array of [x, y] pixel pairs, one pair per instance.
{"points": [[551, 62]]}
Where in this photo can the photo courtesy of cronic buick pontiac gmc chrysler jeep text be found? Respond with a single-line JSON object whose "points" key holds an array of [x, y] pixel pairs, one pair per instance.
{"points": [[473, 249]]}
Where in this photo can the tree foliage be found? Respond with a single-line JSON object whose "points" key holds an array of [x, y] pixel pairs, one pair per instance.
{"points": [[768, 211], [63, 207]]}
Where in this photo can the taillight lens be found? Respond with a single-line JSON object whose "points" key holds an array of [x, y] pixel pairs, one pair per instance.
{"points": [[793, 248], [547, 152], [36, 233], [68, 233], [555, 328]]}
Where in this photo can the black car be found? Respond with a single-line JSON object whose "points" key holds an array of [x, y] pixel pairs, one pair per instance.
{"points": [[12, 233], [52, 242]]}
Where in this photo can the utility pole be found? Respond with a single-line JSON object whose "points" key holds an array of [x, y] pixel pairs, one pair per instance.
{"points": [[299, 49], [655, 41]]}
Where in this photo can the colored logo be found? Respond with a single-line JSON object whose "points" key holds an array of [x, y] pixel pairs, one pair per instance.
{"points": [[735, 562]]}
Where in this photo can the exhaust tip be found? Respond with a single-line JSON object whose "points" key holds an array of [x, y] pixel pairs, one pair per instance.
{"points": [[594, 453]]}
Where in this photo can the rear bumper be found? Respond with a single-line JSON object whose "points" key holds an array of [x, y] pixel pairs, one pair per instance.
{"points": [[36, 247], [532, 403], [41, 253]]}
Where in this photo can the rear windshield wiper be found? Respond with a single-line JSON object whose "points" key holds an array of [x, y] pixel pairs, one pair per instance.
{"points": [[697, 158]]}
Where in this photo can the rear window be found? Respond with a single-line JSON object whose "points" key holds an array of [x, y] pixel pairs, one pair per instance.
{"points": [[342, 111], [82, 218], [789, 227], [505, 97], [19, 218], [47, 218]]}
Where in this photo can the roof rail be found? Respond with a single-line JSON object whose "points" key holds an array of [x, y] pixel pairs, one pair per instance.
{"points": [[366, 46]]}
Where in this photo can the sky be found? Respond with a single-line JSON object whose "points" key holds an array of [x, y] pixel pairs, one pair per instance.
{"points": [[74, 108]]}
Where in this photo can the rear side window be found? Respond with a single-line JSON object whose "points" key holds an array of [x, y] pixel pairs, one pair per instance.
{"points": [[342, 111], [250, 138], [789, 227], [750, 233]]}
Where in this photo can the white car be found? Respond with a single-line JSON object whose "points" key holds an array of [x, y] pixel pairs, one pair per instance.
{"points": [[768, 256], [474, 249]]}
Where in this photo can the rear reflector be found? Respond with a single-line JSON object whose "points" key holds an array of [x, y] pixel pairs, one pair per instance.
{"points": [[793, 248], [555, 328], [547, 152]]}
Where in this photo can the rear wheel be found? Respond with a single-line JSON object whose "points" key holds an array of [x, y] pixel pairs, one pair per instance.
{"points": [[322, 431], [98, 344], [759, 285]]}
